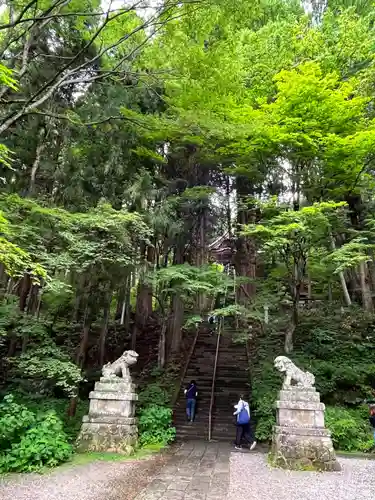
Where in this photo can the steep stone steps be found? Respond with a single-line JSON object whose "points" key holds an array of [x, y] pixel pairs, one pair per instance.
{"points": [[231, 380]]}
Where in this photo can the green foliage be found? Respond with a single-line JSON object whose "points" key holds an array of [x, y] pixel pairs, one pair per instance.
{"points": [[44, 366], [47, 367], [15, 260], [337, 348], [155, 425], [351, 254], [188, 281], [28, 441], [108, 182], [265, 384], [153, 394], [350, 428], [41, 405], [291, 236], [6, 77], [5, 156]]}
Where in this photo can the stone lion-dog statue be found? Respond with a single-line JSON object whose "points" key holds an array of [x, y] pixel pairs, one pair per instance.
{"points": [[293, 373], [120, 367]]}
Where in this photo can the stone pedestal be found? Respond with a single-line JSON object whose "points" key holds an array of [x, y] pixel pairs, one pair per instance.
{"points": [[110, 425], [300, 439]]}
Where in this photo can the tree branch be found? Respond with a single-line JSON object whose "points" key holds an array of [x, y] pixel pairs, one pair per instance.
{"points": [[84, 124], [66, 75]]}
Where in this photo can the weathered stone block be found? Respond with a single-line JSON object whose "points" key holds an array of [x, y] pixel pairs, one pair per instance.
{"points": [[303, 451], [110, 424], [300, 439], [107, 437]]}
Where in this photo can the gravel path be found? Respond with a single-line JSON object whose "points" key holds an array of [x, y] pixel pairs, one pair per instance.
{"points": [[94, 481], [204, 472], [251, 477]]}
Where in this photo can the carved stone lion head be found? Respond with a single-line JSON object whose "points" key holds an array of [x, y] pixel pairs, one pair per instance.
{"points": [[130, 357], [281, 363]]}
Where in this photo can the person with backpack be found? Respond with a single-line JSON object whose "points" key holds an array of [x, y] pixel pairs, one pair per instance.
{"points": [[243, 424], [372, 420], [191, 394]]}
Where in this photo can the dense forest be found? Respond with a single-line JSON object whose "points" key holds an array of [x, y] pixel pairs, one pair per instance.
{"points": [[133, 135]]}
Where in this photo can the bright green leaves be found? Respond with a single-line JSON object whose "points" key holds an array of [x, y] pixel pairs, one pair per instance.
{"points": [[295, 237], [99, 241], [30, 441], [188, 281], [294, 233], [310, 102], [350, 255], [7, 78], [15, 260]]}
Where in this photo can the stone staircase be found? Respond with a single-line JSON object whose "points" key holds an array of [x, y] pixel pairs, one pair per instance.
{"points": [[231, 380]]}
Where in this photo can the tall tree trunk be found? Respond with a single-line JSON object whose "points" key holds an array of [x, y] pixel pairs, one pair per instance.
{"points": [[82, 350], [371, 270], [162, 345], [330, 298], [202, 256], [120, 300], [103, 334], [228, 206], [365, 289], [81, 354], [245, 258], [176, 321], [32, 306], [176, 317], [294, 318], [24, 289], [144, 300], [309, 291], [78, 298], [348, 300], [38, 156]]}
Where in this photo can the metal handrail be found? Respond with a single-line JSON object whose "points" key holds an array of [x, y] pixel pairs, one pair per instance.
{"points": [[213, 379], [185, 367]]}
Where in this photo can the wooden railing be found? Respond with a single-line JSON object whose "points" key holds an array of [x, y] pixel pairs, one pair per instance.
{"points": [[220, 325]]}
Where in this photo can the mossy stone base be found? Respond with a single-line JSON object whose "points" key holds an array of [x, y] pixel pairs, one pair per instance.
{"points": [[106, 437], [110, 425], [303, 451]]}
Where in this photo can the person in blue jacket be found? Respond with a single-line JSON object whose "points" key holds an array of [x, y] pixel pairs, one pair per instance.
{"points": [[191, 394], [243, 424]]}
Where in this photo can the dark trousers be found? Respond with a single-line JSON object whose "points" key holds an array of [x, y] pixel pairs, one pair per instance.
{"points": [[190, 409], [244, 432]]}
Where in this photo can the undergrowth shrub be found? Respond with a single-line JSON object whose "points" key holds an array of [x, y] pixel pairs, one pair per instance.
{"points": [[30, 441], [338, 349], [350, 428], [154, 409], [40, 405], [154, 394], [155, 425]]}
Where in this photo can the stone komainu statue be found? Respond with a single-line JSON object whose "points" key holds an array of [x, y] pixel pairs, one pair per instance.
{"points": [[120, 367], [293, 373]]}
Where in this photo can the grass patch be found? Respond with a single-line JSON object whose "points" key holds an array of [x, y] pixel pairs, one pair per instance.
{"points": [[356, 454], [86, 458]]}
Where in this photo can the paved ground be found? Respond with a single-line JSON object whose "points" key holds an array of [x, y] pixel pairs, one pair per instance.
{"points": [[198, 471], [195, 471]]}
